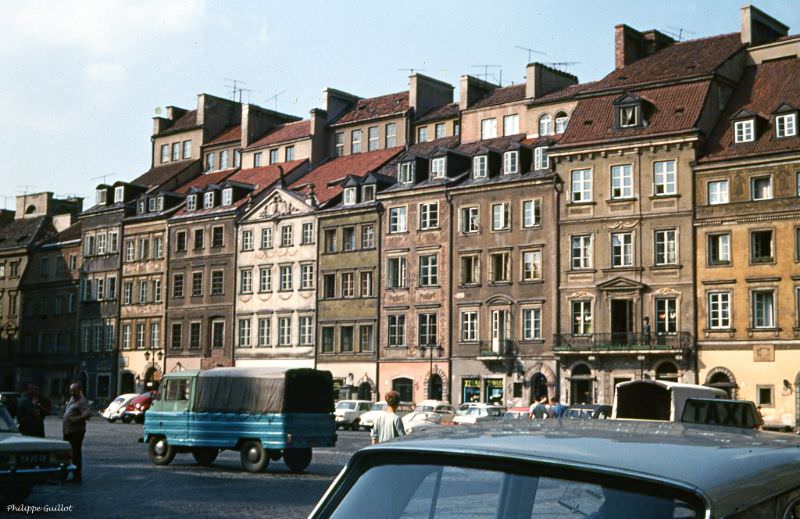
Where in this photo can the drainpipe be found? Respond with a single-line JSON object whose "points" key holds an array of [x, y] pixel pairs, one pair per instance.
{"points": [[449, 197]]}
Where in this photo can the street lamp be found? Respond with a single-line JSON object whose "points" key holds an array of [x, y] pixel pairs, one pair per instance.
{"points": [[430, 349]]}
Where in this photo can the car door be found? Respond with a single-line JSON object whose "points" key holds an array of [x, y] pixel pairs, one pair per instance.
{"points": [[175, 408]]}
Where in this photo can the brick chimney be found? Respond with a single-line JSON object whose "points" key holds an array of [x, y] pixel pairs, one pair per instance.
{"points": [[257, 120], [541, 79], [631, 45], [334, 102], [758, 27], [319, 137], [162, 123], [426, 93], [473, 89]]}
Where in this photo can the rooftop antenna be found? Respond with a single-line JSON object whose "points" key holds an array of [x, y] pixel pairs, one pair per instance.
{"points": [[562, 65], [103, 177], [531, 52], [486, 71], [233, 84], [678, 32], [5, 200], [24, 188], [275, 98], [249, 91], [412, 70]]}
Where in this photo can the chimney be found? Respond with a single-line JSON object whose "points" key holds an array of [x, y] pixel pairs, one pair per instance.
{"points": [[162, 123], [256, 121], [541, 79], [215, 113], [758, 27], [334, 102], [426, 93], [631, 45], [473, 89], [319, 142]]}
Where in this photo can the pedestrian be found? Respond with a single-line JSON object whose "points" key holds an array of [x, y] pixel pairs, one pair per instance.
{"points": [[31, 412], [557, 409], [538, 409], [759, 419], [646, 331], [76, 413], [388, 424]]}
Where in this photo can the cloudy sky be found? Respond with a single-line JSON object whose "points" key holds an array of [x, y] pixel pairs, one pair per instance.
{"points": [[83, 79]]}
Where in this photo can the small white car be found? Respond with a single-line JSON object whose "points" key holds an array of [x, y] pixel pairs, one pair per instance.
{"points": [[478, 413], [368, 419], [117, 406], [429, 412], [347, 413]]}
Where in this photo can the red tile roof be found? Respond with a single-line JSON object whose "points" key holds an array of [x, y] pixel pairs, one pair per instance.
{"points": [[229, 134], [691, 58], [202, 181], [374, 107], [502, 95], [670, 109], [284, 133], [441, 112], [159, 175], [762, 89], [358, 165], [265, 176]]}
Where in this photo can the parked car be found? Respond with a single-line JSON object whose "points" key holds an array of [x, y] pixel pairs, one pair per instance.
{"points": [[26, 461], [265, 414], [367, 420], [588, 411], [429, 412], [137, 407], [9, 400], [598, 469], [347, 413], [480, 413], [116, 408], [517, 413]]}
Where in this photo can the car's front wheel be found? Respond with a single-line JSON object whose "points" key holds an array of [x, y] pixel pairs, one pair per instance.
{"points": [[355, 425], [297, 459], [126, 418], [160, 451], [205, 456], [253, 456]]}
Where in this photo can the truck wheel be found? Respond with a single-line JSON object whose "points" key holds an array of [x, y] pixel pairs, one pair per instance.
{"points": [[161, 452], [297, 459], [205, 456], [254, 457]]}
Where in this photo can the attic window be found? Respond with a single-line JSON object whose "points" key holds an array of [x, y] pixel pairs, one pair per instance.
{"points": [[191, 203], [785, 125], [438, 167], [405, 172], [140, 207], [510, 162], [368, 193], [350, 196], [160, 203], [479, 166], [119, 194], [629, 116], [562, 120], [744, 131], [101, 196], [151, 205], [208, 200], [227, 196]]}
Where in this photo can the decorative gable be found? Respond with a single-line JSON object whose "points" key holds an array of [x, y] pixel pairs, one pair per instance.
{"points": [[621, 284]]}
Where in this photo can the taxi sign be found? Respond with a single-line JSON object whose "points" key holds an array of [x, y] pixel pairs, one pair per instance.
{"points": [[726, 413]]}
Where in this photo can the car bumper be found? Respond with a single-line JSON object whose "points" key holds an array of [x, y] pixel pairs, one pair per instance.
{"points": [[34, 474]]}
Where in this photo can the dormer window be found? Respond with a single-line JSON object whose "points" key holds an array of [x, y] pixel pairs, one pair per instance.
{"points": [[101, 196], [405, 172], [160, 203], [786, 125], [438, 167], [211, 161], [744, 131], [540, 160], [628, 116], [368, 193], [191, 203], [350, 196], [151, 204], [562, 120], [227, 196], [208, 200], [510, 162], [119, 194], [479, 166], [140, 207], [223, 159]]}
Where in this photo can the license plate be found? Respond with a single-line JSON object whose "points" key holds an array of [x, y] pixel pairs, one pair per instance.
{"points": [[31, 459]]}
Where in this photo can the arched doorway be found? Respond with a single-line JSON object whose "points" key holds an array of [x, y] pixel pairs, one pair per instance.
{"points": [[667, 371], [538, 387], [581, 385], [404, 386], [364, 391], [127, 383], [435, 387], [723, 379]]}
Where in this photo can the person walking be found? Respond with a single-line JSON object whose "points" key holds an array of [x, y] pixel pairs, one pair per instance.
{"points": [[538, 410], [557, 409], [76, 413], [31, 411], [388, 425]]}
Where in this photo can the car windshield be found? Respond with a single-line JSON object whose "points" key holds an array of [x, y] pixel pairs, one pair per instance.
{"points": [[476, 411], [118, 400], [424, 409], [425, 490], [378, 406], [6, 422], [345, 405]]}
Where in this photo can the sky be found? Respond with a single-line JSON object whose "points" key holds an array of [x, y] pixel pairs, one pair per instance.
{"points": [[83, 79]]}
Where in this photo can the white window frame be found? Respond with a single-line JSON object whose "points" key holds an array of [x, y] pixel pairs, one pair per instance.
{"points": [[511, 124], [531, 261], [621, 249], [718, 192], [665, 245], [429, 215], [405, 172], [398, 219], [545, 125], [753, 190], [723, 248], [581, 185], [349, 196], [501, 216], [531, 213], [744, 131], [438, 167], [540, 158], [470, 219], [583, 244], [719, 310], [227, 196], [531, 324], [244, 333], [469, 326], [208, 200], [510, 162], [429, 270], [621, 181], [488, 128], [480, 166], [785, 125], [665, 177]]}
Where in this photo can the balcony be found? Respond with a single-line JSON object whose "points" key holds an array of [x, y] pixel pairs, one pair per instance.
{"points": [[496, 350], [622, 343]]}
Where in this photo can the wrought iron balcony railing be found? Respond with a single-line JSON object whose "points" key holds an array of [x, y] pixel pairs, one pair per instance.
{"points": [[623, 341]]}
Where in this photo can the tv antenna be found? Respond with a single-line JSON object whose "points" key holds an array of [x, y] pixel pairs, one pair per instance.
{"points": [[486, 72], [103, 177], [233, 84], [412, 70], [678, 32], [249, 91], [23, 188], [275, 98], [5, 200], [562, 65], [530, 51]]}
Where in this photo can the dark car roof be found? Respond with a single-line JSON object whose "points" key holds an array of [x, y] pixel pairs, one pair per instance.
{"points": [[732, 468]]}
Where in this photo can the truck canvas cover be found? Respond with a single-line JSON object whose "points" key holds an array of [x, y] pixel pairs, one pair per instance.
{"points": [[264, 390]]}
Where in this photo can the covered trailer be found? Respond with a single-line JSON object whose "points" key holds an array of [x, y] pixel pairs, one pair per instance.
{"points": [[657, 399]]}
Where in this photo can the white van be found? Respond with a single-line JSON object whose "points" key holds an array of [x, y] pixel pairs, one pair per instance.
{"points": [[657, 399]]}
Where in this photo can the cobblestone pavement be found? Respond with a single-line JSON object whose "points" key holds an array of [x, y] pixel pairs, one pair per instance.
{"points": [[120, 481]]}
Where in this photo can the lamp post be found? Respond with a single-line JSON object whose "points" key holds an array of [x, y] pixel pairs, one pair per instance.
{"points": [[430, 349]]}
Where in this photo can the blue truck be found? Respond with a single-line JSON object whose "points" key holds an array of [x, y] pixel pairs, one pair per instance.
{"points": [[265, 414]]}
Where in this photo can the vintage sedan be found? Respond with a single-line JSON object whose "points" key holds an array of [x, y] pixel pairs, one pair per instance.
{"points": [[572, 468], [27, 460]]}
